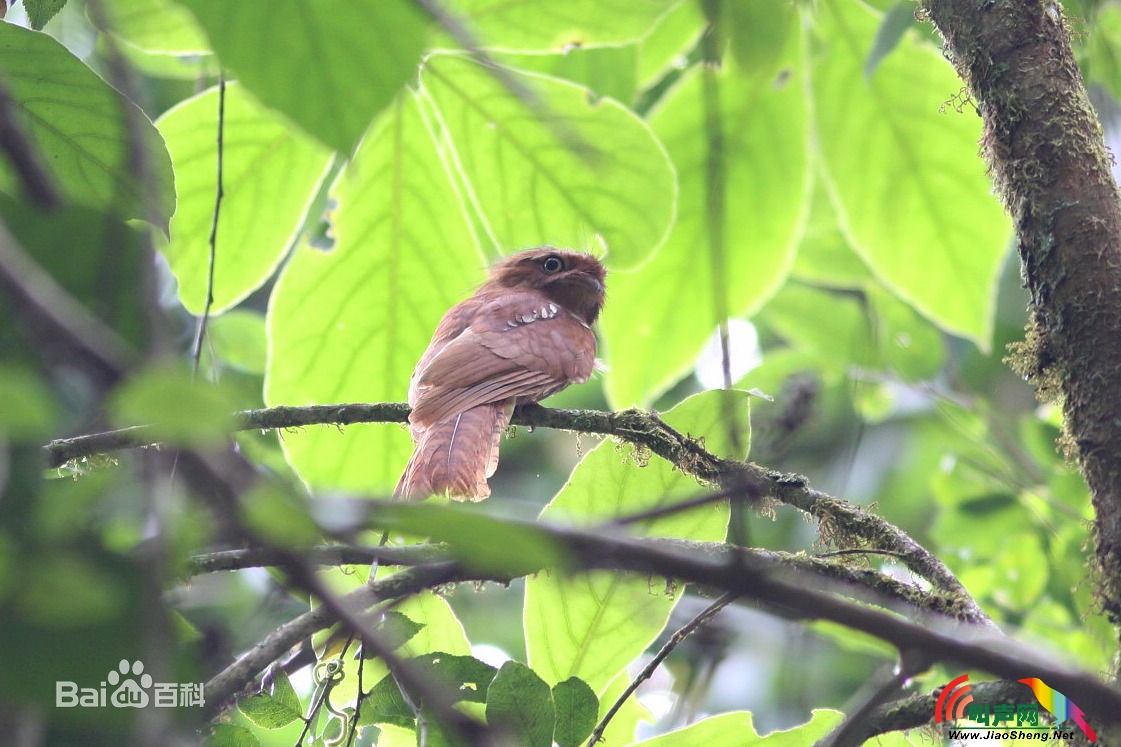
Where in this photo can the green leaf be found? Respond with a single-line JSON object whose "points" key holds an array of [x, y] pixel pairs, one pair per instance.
{"points": [[902, 167], [385, 705], [276, 514], [273, 710], [348, 325], [66, 592], [759, 31], [463, 678], [96, 257], [607, 71], [651, 340], [230, 735], [542, 25], [179, 409], [329, 66], [396, 629], [29, 410], [1103, 49], [238, 339], [159, 26], [577, 708], [825, 256], [270, 173], [39, 12], [664, 48], [593, 625], [79, 128], [520, 701], [737, 729], [484, 544], [832, 327], [909, 344], [564, 171]]}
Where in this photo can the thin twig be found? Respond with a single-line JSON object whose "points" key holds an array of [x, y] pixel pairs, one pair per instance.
{"points": [[219, 193], [648, 671]]}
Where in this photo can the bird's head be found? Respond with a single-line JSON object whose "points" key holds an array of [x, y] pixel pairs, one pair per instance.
{"points": [[574, 280]]}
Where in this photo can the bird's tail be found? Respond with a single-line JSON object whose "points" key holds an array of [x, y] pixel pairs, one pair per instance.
{"points": [[455, 456]]}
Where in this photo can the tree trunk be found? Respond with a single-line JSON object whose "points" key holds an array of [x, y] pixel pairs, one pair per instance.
{"points": [[1048, 159]]}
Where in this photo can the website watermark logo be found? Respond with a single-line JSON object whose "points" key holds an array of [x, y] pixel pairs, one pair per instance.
{"points": [[129, 686], [998, 720]]}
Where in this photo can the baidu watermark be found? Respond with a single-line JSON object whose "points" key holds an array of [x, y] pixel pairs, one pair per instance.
{"points": [[129, 686]]}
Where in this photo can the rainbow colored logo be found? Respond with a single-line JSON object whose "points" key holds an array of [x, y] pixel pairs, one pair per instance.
{"points": [[1057, 703], [953, 700]]}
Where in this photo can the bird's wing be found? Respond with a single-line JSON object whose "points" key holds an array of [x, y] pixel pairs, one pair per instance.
{"points": [[518, 345]]}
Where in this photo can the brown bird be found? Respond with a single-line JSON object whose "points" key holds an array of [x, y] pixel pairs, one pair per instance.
{"points": [[524, 335]]}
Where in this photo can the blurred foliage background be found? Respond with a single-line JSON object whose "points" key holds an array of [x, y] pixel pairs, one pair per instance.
{"points": [[371, 170]]}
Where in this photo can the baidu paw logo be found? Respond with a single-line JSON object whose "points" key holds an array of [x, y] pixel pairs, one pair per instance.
{"points": [[129, 686], [132, 691]]}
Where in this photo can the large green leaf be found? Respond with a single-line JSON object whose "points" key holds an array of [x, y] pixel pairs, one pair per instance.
{"points": [[349, 324], [156, 26], [736, 729], [549, 25], [657, 319], [570, 172], [269, 176], [81, 130], [327, 65], [592, 625], [903, 169]]}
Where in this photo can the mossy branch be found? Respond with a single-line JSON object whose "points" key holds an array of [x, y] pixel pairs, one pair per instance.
{"points": [[843, 523]]}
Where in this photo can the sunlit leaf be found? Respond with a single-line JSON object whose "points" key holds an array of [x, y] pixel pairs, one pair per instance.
{"points": [[545, 25], [902, 165], [657, 319], [269, 176], [156, 26], [736, 729], [349, 324], [329, 66], [563, 170], [238, 338]]}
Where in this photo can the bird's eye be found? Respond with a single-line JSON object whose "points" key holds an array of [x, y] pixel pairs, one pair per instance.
{"points": [[552, 264]]}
